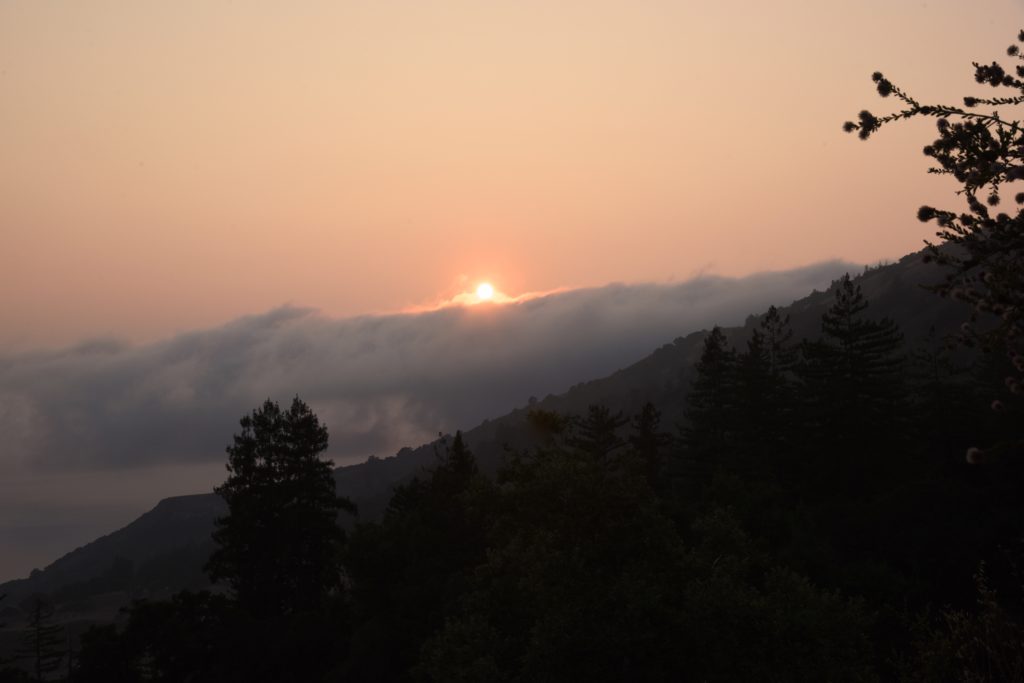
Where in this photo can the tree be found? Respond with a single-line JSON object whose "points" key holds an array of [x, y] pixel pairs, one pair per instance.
{"points": [[649, 443], [7, 671], [764, 394], [854, 371], [410, 570], [280, 542], [587, 579], [709, 405], [43, 640], [852, 392], [597, 432], [984, 152]]}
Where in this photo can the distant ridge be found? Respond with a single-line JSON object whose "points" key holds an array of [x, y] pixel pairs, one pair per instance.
{"points": [[163, 550]]}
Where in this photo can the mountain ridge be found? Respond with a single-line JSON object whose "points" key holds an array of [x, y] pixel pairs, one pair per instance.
{"points": [[176, 531]]}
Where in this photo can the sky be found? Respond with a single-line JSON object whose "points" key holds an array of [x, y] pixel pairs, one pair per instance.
{"points": [[197, 190], [170, 166]]}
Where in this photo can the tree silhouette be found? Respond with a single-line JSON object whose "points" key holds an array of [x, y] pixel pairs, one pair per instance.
{"points": [[410, 570], [852, 395], [7, 672], [587, 579], [776, 339], [43, 641], [710, 403], [765, 400], [984, 152], [853, 373], [597, 433], [649, 443], [280, 543]]}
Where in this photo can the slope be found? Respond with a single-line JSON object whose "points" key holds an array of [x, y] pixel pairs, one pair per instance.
{"points": [[163, 550]]}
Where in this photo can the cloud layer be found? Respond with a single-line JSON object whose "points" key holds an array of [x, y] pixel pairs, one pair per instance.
{"points": [[378, 382], [94, 435]]}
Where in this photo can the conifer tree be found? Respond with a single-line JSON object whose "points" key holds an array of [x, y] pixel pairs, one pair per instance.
{"points": [[763, 389], [43, 641], [853, 377], [280, 543], [410, 570], [711, 401], [597, 433], [777, 340], [649, 443]]}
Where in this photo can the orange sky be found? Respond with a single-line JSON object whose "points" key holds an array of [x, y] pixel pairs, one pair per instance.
{"points": [[170, 165]]}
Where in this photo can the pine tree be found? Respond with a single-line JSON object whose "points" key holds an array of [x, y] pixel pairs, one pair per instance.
{"points": [[649, 442], [853, 380], [711, 401], [597, 433], [776, 338], [280, 542], [764, 395], [410, 570], [42, 642]]}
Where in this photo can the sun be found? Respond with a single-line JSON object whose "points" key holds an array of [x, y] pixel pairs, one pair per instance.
{"points": [[485, 292]]}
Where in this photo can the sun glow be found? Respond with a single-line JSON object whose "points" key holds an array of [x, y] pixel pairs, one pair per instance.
{"points": [[485, 295], [485, 292]]}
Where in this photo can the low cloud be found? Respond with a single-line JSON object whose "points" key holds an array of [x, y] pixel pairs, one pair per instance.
{"points": [[379, 382]]}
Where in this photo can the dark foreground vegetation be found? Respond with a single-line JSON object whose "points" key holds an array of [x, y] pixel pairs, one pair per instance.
{"points": [[817, 518], [837, 508]]}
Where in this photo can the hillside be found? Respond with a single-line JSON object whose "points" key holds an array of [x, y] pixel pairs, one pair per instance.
{"points": [[163, 550]]}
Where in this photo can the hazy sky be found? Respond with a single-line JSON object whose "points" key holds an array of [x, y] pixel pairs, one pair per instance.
{"points": [[168, 167], [171, 165]]}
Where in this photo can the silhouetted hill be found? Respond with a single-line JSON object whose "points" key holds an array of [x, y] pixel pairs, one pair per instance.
{"points": [[163, 551]]}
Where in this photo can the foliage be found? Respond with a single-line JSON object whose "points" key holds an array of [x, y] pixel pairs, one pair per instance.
{"points": [[650, 444], [817, 509], [43, 642], [852, 374], [985, 646], [984, 151], [285, 617], [410, 569], [710, 403], [280, 543], [8, 673], [597, 433], [587, 579], [206, 638], [764, 392]]}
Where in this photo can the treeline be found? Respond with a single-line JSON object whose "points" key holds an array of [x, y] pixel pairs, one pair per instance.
{"points": [[835, 509]]}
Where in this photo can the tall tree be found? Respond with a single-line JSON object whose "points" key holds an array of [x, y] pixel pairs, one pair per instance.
{"points": [[853, 387], [709, 405], [43, 641], [764, 395], [764, 369], [280, 543], [410, 570], [649, 443], [776, 341], [984, 151]]}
